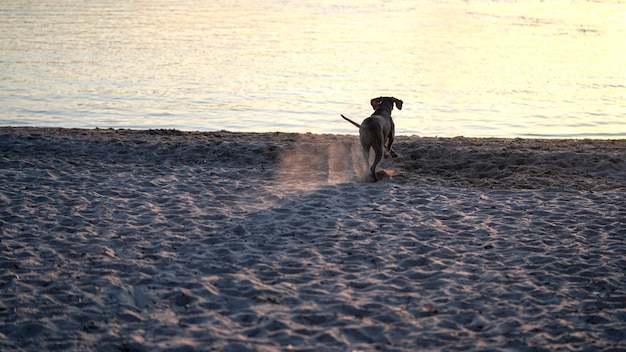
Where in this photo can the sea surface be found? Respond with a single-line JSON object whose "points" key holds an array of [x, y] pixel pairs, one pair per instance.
{"points": [[463, 68]]}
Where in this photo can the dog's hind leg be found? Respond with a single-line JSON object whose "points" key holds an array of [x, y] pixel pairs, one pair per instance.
{"points": [[378, 149], [366, 157]]}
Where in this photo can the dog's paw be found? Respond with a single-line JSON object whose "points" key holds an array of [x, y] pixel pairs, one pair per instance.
{"points": [[381, 174]]}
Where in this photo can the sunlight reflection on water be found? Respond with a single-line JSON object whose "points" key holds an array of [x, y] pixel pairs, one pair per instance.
{"points": [[546, 69]]}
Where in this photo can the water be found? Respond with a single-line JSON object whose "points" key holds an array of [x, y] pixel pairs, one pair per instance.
{"points": [[472, 68]]}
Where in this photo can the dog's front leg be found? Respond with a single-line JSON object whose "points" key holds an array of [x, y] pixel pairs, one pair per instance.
{"points": [[392, 133], [390, 149]]}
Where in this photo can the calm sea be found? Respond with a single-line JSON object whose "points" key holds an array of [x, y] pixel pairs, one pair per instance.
{"points": [[472, 68]]}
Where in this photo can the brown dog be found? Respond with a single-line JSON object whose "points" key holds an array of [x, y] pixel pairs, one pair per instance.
{"points": [[378, 130]]}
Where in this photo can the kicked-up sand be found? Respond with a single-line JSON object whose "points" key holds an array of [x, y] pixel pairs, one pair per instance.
{"points": [[119, 240]]}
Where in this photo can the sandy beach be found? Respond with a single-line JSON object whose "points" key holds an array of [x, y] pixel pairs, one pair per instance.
{"points": [[162, 240]]}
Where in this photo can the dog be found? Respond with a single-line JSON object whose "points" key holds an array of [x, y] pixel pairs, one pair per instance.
{"points": [[378, 130]]}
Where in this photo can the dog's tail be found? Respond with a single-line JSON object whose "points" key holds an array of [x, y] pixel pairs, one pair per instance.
{"points": [[352, 122]]}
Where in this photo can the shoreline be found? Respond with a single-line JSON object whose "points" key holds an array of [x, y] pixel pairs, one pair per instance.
{"points": [[465, 162], [165, 131], [191, 241]]}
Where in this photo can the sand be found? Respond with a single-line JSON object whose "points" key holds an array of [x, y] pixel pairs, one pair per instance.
{"points": [[120, 240]]}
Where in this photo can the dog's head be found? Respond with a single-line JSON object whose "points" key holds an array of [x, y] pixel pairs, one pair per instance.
{"points": [[389, 100]]}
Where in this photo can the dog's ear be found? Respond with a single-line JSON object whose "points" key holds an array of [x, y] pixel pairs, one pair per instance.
{"points": [[398, 103], [375, 103]]}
